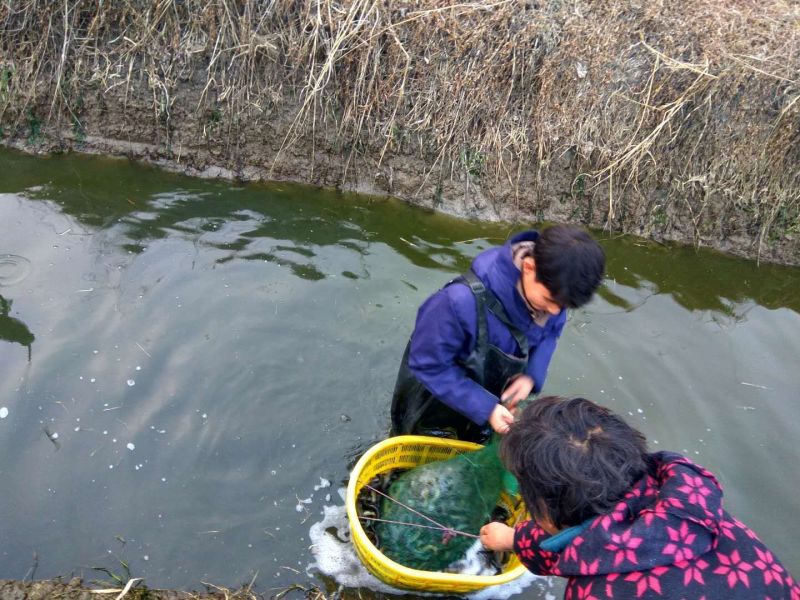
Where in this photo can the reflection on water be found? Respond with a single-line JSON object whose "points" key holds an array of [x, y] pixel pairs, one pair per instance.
{"points": [[696, 281], [206, 353], [13, 330]]}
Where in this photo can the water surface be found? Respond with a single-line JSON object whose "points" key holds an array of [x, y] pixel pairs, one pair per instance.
{"points": [[185, 365]]}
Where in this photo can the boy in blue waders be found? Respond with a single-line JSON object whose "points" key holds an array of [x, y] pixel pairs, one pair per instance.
{"points": [[619, 522], [484, 341]]}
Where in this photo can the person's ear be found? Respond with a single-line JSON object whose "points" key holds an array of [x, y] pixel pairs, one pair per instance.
{"points": [[529, 265]]}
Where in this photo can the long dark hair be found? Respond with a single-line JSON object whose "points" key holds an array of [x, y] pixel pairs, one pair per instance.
{"points": [[574, 459]]}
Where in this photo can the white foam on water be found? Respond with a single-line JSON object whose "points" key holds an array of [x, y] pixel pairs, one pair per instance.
{"points": [[3, 412], [502, 592], [335, 556], [473, 562], [323, 483]]}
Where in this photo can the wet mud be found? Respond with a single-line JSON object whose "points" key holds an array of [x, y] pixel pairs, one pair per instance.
{"points": [[76, 589]]}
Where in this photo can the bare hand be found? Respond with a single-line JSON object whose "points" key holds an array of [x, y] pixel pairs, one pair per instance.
{"points": [[519, 389], [500, 419], [497, 536]]}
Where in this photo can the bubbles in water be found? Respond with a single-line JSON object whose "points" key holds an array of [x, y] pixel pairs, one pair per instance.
{"points": [[473, 563], [323, 483], [131, 382], [13, 269], [3, 412], [301, 502], [336, 557], [131, 447]]}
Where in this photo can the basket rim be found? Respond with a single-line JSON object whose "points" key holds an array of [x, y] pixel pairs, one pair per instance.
{"points": [[360, 538]]}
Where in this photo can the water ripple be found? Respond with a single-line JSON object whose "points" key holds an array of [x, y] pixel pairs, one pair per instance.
{"points": [[13, 269]]}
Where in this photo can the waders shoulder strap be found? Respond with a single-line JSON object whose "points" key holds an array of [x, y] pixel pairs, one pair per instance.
{"points": [[479, 291], [486, 299]]}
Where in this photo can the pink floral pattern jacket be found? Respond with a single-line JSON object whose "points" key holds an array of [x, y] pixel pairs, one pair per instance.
{"points": [[669, 538]]}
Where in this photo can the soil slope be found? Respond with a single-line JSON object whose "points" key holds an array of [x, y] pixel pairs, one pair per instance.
{"points": [[668, 120]]}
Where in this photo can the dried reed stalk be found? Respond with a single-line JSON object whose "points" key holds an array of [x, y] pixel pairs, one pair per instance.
{"points": [[667, 111]]}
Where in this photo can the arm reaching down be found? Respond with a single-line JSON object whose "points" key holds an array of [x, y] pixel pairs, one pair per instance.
{"points": [[498, 537]]}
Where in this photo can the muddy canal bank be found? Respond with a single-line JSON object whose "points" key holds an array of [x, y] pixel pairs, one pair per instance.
{"points": [[77, 589], [671, 122]]}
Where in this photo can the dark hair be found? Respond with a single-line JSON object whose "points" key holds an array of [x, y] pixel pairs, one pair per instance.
{"points": [[569, 263], [573, 458]]}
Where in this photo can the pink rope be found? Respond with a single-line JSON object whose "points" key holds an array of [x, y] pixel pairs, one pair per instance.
{"points": [[419, 514], [454, 531]]}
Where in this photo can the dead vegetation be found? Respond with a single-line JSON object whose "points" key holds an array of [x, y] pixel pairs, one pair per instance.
{"points": [[133, 589], [665, 119]]}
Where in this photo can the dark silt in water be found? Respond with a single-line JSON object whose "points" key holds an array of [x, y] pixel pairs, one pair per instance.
{"points": [[185, 364]]}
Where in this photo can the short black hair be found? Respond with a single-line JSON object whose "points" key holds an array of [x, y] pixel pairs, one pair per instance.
{"points": [[574, 459], [569, 263]]}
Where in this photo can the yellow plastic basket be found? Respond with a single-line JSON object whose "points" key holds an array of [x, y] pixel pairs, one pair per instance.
{"points": [[405, 452]]}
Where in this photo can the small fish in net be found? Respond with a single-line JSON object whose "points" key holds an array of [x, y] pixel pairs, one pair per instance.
{"points": [[431, 515]]}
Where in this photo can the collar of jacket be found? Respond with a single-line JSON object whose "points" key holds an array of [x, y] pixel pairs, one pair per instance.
{"points": [[501, 275]]}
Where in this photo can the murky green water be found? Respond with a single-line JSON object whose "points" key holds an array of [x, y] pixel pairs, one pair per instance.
{"points": [[182, 361]]}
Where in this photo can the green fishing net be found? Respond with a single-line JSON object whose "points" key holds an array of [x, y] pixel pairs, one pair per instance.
{"points": [[459, 494]]}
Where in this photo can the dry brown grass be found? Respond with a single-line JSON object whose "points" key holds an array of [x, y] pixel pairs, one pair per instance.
{"points": [[664, 111], [697, 98]]}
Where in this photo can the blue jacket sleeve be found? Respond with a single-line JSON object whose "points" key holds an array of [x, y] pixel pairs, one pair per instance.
{"points": [[539, 360], [439, 340]]}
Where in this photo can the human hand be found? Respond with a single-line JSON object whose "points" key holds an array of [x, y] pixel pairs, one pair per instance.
{"points": [[519, 389], [500, 419], [497, 536]]}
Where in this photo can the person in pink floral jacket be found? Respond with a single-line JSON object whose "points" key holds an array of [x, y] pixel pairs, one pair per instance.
{"points": [[621, 523]]}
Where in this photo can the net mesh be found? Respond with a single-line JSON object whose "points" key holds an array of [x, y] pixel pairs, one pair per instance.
{"points": [[459, 494]]}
